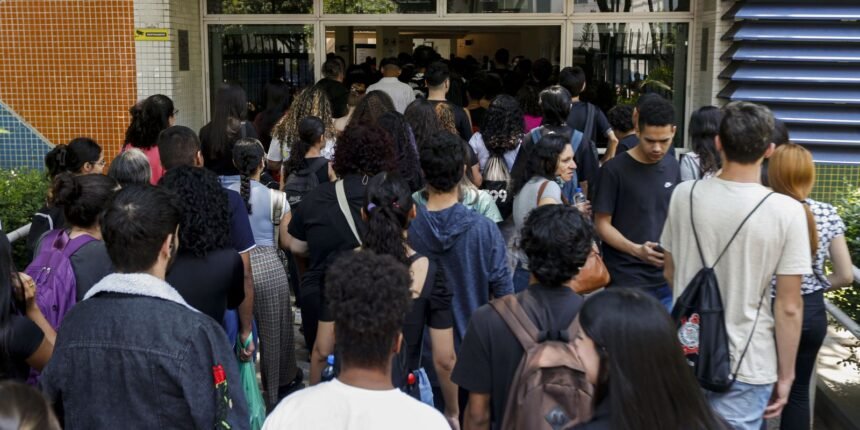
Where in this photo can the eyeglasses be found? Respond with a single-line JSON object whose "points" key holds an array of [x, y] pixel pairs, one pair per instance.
{"points": [[176, 112], [101, 163]]}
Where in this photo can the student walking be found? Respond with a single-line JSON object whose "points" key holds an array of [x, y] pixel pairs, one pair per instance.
{"points": [[148, 118], [269, 214], [228, 125], [792, 173], [703, 161], [762, 337], [631, 202]]}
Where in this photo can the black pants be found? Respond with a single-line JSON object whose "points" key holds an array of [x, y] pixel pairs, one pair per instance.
{"points": [[796, 414], [311, 306]]}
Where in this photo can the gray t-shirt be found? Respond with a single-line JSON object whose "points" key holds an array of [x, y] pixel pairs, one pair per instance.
{"points": [[527, 198]]}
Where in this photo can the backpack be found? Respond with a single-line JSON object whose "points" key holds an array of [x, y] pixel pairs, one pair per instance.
{"points": [[549, 389], [700, 319], [56, 288], [497, 182], [303, 181], [569, 188]]}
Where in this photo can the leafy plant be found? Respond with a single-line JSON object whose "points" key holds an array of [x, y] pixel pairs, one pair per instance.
{"points": [[848, 299], [22, 193]]}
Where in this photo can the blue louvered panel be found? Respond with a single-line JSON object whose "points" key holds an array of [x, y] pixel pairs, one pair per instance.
{"points": [[841, 53], [800, 58]]}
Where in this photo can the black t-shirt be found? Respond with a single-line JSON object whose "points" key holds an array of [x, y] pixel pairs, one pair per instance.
{"points": [[24, 340], [630, 141], [223, 164], [322, 172], [637, 196], [43, 221], [587, 164], [490, 353], [431, 309], [320, 222], [210, 284], [337, 95], [578, 117], [461, 120]]}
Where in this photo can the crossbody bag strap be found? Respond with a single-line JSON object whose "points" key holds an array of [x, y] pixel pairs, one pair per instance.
{"points": [[752, 332], [540, 191], [344, 208], [515, 317], [277, 214], [693, 224], [740, 227]]}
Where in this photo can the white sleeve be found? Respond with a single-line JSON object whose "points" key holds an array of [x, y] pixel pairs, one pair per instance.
{"points": [[285, 204], [796, 258], [328, 150], [480, 148], [275, 150]]}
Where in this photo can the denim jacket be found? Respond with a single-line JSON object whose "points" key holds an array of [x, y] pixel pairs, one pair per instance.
{"points": [[133, 354]]}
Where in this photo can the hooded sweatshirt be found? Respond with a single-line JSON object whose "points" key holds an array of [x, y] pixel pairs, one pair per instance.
{"points": [[472, 250]]}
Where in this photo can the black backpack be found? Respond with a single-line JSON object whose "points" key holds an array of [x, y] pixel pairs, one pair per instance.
{"points": [[497, 182], [700, 319], [303, 181]]}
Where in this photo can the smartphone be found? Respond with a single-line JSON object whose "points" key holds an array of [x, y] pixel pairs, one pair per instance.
{"points": [[659, 248]]}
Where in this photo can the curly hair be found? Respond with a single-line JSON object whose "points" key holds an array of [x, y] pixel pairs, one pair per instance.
{"points": [[370, 108], [404, 145], [313, 101], [368, 295], [248, 154], [421, 116], [83, 197], [387, 203], [503, 126], [446, 117], [621, 118], [527, 97], [205, 209], [557, 240], [148, 118], [542, 160], [442, 160], [364, 150], [311, 128]]}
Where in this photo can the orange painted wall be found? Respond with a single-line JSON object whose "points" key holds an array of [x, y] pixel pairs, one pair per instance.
{"points": [[68, 67]]}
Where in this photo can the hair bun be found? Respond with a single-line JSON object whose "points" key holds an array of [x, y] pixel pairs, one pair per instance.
{"points": [[66, 190]]}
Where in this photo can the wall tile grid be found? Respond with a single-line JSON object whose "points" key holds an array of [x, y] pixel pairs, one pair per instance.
{"points": [[67, 70], [188, 87]]}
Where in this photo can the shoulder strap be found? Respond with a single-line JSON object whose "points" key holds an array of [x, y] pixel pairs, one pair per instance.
{"points": [[576, 140], [535, 134], [71, 246], [589, 121], [541, 190], [344, 208], [515, 317], [313, 166], [738, 230]]}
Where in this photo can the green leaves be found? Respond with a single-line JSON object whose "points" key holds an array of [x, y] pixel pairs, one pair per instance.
{"points": [[22, 193]]}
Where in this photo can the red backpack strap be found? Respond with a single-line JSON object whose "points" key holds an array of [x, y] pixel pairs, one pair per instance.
{"points": [[518, 321]]}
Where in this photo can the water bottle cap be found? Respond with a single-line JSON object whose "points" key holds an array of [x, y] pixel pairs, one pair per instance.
{"points": [[330, 360], [410, 380], [578, 189]]}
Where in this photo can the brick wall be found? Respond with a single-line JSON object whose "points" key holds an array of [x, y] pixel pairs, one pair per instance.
{"points": [[67, 70]]}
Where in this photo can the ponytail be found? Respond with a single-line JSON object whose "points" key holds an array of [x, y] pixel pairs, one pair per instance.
{"points": [[71, 157], [248, 154], [387, 205], [791, 171]]}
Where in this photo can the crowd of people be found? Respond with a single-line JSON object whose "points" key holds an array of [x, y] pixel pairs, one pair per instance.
{"points": [[460, 253]]}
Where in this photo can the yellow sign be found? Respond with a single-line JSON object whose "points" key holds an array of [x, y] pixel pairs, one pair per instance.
{"points": [[152, 34]]}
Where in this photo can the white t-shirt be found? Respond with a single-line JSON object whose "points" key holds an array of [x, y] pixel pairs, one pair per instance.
{"points": [[401, 94], [336, 406], [480, 148], [275, 150], [774, 241]]}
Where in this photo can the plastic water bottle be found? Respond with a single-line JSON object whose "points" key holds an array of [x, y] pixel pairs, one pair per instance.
{"points": [[328, 371], [579, 197]]}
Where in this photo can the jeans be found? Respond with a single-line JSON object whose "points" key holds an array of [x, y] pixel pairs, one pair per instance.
{"points": [[742, 407], [796, 414], [521, 278]]}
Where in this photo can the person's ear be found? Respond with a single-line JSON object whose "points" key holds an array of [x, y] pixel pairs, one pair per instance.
{"points": [[718, 143], [363, 214], [198, 159], [636, 120], [167, 247], [582, 90], [398, 343], [674, 129], [87, 168], [413, 213], [770, 149]]}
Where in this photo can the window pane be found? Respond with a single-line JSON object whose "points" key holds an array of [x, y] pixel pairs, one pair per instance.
{"points": [[505, 6], [590, 6], [379, 6], [624, 60], [252, 55], [258, 6]]}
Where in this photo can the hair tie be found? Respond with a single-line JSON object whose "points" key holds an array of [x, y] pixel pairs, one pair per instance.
{"points": [[61, 157], [395, 204], [370, 207]]}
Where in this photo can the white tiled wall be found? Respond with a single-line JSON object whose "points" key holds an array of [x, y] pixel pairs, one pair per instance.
{"points": [[158, 62]]}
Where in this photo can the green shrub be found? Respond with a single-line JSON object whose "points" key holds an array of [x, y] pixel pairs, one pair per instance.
{"points": [[848, 299], [22, 193]]}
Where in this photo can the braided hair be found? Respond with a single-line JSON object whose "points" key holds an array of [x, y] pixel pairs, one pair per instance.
{"points": [[387, 203], [248, 156]]}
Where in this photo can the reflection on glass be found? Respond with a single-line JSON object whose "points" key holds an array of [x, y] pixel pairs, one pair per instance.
{"points": [[240, 7], [505, 6], [252, 55], [378, 6], [624, 60], [590, 6]]}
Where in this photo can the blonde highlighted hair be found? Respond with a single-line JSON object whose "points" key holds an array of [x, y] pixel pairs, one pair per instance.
{"points": [[791, 171]]}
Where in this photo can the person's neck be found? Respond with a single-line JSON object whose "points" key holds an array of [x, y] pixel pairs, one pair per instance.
{"points": [[94, 231], [159, 270], [744, 173], [436, 94], [389, 76], [485, 103], [256, 175], [473, 104], [313, 152], [629, 133], [368, 379], [441, 200], [636, 153], [574, 99]]}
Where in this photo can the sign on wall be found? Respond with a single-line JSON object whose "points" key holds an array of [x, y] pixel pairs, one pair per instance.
{"points": [[151, 34]]}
